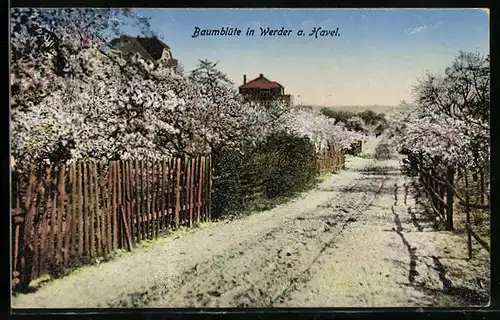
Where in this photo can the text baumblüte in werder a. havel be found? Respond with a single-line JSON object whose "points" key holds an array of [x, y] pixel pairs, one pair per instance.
{"points": [[316, 32]]}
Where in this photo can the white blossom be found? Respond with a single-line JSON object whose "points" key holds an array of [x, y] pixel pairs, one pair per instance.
{"points": [[75, 97]]}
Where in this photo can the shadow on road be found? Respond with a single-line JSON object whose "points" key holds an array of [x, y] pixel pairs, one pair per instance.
{"points": [[423, 218], [466, 295], [375, 170], [411, 250], [422, 213], [366, 188], [463, 295]]}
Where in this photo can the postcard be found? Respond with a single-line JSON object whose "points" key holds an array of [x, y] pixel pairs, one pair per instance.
{"points": [[250, 158]]}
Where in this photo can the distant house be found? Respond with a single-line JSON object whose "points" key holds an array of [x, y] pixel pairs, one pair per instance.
{"points": [[264, 91], [149, 48]]}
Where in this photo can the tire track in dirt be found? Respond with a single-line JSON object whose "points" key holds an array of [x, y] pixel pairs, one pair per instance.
{"points": [[329, 244], [257, 260], [362, 273], [262, 272]]}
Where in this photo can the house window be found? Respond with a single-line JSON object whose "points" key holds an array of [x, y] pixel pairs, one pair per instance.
{"points": [[166, 54]]}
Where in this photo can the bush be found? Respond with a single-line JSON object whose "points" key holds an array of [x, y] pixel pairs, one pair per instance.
{"points": [[280, 166], [380, 128], [339, 115], [383, 152], [374, 120], [294, 165]]}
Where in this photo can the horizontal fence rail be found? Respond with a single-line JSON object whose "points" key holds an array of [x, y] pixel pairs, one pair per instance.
{"points": [[71, 214], [442, 192], [437, 191]]}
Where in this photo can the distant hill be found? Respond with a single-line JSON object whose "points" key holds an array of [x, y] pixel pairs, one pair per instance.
{"points": [[375, 108]]}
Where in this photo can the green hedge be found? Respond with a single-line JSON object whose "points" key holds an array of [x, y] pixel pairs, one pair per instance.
{"points": [[280, 166]]}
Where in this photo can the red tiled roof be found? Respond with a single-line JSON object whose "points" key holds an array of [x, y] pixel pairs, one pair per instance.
{"points": [[172, 62], [261, 83], [152, 45]]}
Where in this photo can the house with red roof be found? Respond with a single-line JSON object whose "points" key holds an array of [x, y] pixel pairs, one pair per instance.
{"points": [[264, 91], [149, 48]]}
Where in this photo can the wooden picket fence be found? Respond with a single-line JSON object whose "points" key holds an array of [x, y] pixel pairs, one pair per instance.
{"points": [[330, 161], [72, 214], [442, 192]]}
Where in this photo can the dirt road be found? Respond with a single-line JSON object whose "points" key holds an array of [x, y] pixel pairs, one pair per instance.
{"points": [[359, 239]]}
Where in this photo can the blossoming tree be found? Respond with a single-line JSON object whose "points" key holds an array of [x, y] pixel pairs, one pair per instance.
{"points": [[74, 96], [447, 127], [449, 120]]}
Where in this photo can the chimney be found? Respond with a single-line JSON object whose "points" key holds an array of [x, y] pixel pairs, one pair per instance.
{"points": [[261, 75], [244, 79]]}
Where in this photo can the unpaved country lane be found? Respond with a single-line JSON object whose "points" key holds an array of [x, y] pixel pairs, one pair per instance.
{"points": [[369, 266], [265, 270], [393, 257], [359, 239], [227, 264]]}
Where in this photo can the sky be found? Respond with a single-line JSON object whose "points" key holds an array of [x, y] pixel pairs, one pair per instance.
{"points": [[375, 59]]}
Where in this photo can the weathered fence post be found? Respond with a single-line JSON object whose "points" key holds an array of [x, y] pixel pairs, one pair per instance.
{"points": [[432, 187], [211, 175], [467, 211], [88, 209], [435, 187], [21, 272], [200, 185], [18, 226], [178, 187], [481, 173], [442, 205], [429, 179], [450, 175], [163, 224]]}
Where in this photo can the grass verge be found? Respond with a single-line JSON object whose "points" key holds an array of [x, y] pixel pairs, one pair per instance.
{"points": [[144, 245]]}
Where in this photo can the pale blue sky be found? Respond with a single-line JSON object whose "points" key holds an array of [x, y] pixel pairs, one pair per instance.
{"points": [[375, 60]]}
